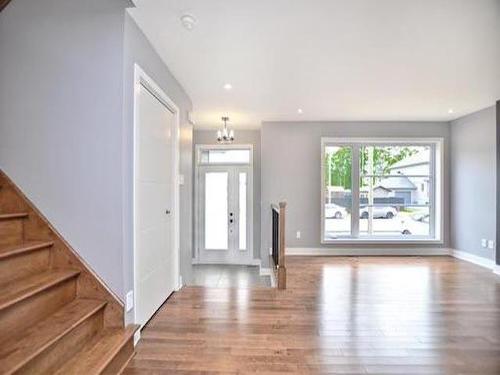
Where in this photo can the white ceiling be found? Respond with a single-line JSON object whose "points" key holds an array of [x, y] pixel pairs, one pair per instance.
{"points": [[335, 59]]}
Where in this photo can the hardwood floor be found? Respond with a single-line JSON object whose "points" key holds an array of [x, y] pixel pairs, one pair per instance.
{"points": [[372, 315]]}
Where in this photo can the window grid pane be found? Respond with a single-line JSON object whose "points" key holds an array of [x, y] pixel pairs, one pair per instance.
{"points": [[338, 202], [396, 191], [243, 211], [225, 156], [216, 210]]}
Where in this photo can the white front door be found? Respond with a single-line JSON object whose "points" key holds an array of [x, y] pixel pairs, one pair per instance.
{"points": [[224, 216], [154, 256]]}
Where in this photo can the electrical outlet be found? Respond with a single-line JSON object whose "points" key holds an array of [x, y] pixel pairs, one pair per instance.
{"points": [[129, 301], [484, 242], [270, 251], [298, 234], [491, 244]]}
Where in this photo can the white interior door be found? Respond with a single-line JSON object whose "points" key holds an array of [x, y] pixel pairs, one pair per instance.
{"points": [[153, 205], [224, 217]]}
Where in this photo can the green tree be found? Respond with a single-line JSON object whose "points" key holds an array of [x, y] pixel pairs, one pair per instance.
{"points": [[384, 157], [339, 168], [338, 163]]}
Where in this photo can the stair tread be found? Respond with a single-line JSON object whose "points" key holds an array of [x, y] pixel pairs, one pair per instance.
{"points": [[99, 352], [26, 247], [13, 292], [17, 215], [15, 353]]}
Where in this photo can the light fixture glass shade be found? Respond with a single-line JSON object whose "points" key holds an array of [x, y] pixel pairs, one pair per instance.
{"points": [[224, 135]]}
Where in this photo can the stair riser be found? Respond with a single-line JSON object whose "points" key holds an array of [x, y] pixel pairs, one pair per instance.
{"points": [[24, 264], [121, 359], [16, 318], [11, 232], [66, 347]]}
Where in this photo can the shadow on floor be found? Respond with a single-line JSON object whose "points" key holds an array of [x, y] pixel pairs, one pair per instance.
{"points": [[228, 276]]}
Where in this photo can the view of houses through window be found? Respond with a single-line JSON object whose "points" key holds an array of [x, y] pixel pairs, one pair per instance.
{"points": [[389, 185]]}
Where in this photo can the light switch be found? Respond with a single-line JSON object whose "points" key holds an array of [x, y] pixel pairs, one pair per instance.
{"points": [[298, 234], [491, 244], [484, 242]]}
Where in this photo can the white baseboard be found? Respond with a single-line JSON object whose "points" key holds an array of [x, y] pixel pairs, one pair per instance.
{"points": [[313, 251], [137, 336], [480, 261], [496, 270], [477, 260]]}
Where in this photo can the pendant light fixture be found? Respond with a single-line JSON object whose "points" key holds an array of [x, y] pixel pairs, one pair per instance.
{"points": [[224, 135]]}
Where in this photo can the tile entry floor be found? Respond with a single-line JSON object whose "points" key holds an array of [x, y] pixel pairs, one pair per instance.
{"points": [[228, 276]]}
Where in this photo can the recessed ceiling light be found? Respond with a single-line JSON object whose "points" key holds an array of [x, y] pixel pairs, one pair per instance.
{"points": [[228, 86], [188, 21], [300, 111], [450, 111]]}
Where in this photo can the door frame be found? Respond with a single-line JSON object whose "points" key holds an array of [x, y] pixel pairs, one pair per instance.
{"points": [[197, 204], [143, 79]]}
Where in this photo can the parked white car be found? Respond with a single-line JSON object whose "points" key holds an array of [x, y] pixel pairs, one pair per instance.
{"points": [[334, 211], [378, 212]]}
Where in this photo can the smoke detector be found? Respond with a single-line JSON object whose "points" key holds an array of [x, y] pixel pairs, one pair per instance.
{"points": [[188, 21]]}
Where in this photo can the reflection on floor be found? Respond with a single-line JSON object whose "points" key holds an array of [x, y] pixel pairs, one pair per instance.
{"points": [[352, 315], [229, 276]]}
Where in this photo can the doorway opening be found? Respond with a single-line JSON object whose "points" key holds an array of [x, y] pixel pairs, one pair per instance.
{"points": [[224, 205]]}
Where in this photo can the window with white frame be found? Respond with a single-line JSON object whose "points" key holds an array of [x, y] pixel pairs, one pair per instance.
{"points": [[381, 189]]}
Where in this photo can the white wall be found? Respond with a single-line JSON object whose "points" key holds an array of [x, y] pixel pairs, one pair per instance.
{"points": [[61, 89], [291, 171], [473, 182], [252, 137]]}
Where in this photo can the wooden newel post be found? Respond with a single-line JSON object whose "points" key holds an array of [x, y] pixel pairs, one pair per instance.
{"points": [[281, 258]]}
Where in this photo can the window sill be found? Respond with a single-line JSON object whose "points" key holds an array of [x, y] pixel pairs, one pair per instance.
{"points": [[378, 241]]}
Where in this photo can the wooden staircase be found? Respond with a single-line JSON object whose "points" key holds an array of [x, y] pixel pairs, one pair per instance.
{"points": [[56, 316], [3, 4]]}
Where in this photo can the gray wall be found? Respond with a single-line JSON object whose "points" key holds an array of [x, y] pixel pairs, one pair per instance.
{"points": [[207, 137], [497, 128], [292, 171], [139, 50], [61, 119], [66, 99], [473, 182]]}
